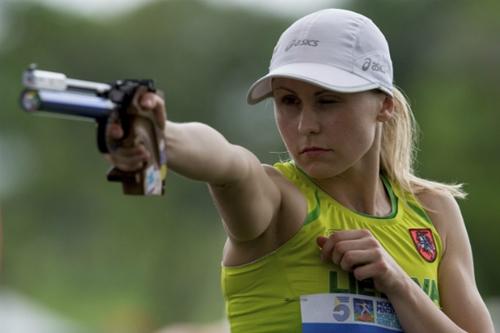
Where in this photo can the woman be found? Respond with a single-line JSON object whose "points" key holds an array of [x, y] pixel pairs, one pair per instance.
{"points": [[344, 237]]}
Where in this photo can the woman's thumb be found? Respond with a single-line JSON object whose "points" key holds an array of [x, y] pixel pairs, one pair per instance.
{"points": [[321, 240]]}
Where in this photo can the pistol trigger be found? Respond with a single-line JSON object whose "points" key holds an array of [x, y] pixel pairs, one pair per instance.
{"points": [[101, 135]]}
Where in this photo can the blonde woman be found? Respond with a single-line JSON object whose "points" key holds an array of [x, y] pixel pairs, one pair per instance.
{"points": [[343, 237]]}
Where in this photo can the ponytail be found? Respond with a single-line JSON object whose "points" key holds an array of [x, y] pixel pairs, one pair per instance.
{"points": [[399, 145]]}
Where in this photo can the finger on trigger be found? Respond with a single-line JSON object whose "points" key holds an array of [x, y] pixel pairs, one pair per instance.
{"points": [[115, 131]]}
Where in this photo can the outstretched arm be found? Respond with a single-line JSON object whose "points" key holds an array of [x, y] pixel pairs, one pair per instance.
{"points": [[247, 197]]}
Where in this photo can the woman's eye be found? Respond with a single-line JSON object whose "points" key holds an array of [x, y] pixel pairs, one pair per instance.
{"points": [[328, 101], [289, 100]]}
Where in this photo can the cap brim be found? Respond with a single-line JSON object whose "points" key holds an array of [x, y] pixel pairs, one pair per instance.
{"points": [[328, 77]]}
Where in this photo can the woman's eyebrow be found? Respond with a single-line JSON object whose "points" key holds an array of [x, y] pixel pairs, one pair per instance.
{"points": [[315, 94], [287, 89], [325, 91]]}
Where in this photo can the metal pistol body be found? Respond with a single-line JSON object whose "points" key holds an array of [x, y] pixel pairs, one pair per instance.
{"points": [[55, 94]]}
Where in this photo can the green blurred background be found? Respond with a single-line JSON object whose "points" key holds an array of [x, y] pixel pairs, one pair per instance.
{"points": [[113, 263]]}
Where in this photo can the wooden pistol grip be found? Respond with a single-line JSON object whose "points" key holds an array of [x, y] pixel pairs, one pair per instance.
{"points": [[143, 129]]}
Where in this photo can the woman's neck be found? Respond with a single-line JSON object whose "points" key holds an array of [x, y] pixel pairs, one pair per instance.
{"points": [[365, 194], [360, 188]]}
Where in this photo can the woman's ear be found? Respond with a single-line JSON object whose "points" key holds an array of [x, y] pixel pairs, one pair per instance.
{"points": [[387, 109]]}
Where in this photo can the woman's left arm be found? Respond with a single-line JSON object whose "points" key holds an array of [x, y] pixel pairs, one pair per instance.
{"points": [[463, 310], [460, 298]]}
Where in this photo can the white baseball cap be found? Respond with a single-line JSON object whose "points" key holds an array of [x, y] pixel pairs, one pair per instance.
{"points": [[336, 49]]}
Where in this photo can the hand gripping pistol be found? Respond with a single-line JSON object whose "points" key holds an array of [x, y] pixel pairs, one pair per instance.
{"points": [[55, 94]]}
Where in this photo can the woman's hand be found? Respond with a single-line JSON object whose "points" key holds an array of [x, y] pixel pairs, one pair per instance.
{"points": [[133, 158], [357, 251]]}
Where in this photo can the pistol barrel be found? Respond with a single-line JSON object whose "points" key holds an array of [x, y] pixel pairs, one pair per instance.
{"points": [[68, 103]]}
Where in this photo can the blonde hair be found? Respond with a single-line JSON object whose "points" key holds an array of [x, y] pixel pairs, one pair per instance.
{"points": [[398, 152]]}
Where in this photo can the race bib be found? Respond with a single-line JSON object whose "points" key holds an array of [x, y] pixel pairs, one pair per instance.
{"points": [[347, 313]]}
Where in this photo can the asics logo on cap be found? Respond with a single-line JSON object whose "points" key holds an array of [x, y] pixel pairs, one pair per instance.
{"points": [[374, 66], [336, 49], [302, 42]]}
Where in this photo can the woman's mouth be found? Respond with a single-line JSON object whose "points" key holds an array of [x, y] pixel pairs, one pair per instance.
{"points": [[314, 151]]}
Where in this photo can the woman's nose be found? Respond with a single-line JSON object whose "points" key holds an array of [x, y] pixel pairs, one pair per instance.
{"points": [[309, 122]]}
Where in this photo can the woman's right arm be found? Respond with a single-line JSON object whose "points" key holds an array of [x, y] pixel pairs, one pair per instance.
{"points": [[245, 191]]}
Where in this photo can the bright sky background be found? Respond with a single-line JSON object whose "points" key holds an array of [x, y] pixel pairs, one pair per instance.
{"points": [[110, 7]]}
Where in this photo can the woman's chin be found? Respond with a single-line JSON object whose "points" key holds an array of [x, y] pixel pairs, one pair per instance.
{"points": [[319, 171]]}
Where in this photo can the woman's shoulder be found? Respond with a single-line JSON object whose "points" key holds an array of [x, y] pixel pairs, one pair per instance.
{"points": [[279, 173], [438, 201], [443, 210], [286, 180]]}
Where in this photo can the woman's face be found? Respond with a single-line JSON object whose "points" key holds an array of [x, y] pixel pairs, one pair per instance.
{"points": [[326, 132]]}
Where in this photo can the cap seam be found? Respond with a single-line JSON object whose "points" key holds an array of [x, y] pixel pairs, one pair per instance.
{"points": [[359, 22], [310, 24]]}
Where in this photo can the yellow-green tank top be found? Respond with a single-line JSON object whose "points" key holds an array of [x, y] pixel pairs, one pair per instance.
{"points": [[264, 296]]}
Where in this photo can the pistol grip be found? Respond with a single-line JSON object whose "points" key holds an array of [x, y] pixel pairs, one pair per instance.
{"points": [[150, 179]]}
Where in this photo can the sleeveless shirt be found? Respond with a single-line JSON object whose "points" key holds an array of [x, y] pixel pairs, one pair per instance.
{"points": [[272, 293]]}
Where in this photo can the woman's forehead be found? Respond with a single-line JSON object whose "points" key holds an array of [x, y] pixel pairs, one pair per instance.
{"points": [[304, 87], [293, 84], [298, 86]]}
